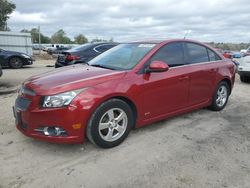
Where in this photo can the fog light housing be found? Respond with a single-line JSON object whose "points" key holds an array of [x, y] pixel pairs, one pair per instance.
{"points": [[51, 131]]}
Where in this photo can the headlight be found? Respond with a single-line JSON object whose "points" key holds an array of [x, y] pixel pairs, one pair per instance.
{"points": [[25, 56], [62, 99]]}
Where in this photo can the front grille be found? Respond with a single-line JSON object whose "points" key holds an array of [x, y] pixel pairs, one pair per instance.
{"points": [[22, 103]]}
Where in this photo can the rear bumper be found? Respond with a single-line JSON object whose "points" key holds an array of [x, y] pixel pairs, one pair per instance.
{"points": [[59, 64], [244, 71], [62, 64]]}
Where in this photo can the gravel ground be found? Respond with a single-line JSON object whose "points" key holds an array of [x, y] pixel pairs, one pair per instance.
{"points": [[198, 149]]}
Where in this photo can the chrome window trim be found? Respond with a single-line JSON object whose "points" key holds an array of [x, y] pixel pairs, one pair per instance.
{"points": [[192, 64], [98, 47]]}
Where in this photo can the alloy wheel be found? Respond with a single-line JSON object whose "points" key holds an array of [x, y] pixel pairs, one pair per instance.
{"points": [[113, 124], [221, 96]]}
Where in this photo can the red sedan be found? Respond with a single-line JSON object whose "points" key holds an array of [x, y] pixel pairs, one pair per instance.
{"points": [[129, 86]]}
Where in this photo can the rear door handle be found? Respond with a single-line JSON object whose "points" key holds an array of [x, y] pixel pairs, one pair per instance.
{"points": [[184, 78]]}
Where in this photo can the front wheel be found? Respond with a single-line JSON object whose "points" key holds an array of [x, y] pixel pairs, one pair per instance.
{"points": [[220, 96], [110, 124], [15, 62]]}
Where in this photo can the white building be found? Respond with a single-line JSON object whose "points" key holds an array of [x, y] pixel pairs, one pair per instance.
{"points": [[19, 42]]}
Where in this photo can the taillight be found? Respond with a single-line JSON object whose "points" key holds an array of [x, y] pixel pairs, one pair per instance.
{"points": [[226, 55], [72, 57]]}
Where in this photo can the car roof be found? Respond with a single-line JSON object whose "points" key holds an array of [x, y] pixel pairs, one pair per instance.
{"points": [[100, 43], [164, 41], [87, 46]]}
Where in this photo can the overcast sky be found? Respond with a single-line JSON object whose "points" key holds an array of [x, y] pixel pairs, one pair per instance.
{"points": [[126, 20]]}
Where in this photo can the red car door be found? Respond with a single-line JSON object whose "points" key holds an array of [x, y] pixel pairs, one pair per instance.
{"points": [[201, 72], [166, 92]]}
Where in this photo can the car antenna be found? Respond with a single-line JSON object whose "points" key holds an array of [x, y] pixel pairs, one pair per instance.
{"points": [[186, 34]]}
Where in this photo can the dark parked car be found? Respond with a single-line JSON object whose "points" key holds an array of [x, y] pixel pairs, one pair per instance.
{"points": [[14, 59], [128, 86], [82, 54], [1, 72]]}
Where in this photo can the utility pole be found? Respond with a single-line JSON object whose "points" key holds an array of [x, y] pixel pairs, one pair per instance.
{"points": [[39, 39]]}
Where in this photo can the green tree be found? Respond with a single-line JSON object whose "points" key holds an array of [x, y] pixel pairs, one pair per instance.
{"points": [[111, 39], [80, 39], [25, 31], [98, 40], [60, 38], [225, 46], [6, 8], [35, 35]]}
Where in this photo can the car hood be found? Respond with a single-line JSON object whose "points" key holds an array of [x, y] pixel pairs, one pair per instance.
{"points": [[70, 78]]}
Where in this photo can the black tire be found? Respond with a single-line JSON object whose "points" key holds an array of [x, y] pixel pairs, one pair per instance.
{"points": [[93, 130], [244, 79], [57, 66], [218, 107], [16, 62]]}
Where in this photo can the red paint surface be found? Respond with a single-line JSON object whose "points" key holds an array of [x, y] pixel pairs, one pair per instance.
{"points": [[155, 95]]}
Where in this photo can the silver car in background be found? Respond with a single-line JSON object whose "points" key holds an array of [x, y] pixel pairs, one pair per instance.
{"points": [[244, 69]]}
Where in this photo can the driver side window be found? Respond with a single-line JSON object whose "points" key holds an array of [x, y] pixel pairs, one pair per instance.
{"points": [[172, 54]]}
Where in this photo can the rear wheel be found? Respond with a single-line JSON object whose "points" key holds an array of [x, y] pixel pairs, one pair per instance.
{"points": [[220, 97], [15, 62], [110, 124]]}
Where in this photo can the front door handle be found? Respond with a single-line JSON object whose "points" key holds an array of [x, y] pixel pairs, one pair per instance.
{"points": [[184, 78]]}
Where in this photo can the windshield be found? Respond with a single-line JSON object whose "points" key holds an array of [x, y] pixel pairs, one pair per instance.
{"points": [[122, 57]]}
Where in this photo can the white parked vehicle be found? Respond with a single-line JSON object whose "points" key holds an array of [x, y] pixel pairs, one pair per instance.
{"points": [[243, 51], [244, 69], [53, 47]]}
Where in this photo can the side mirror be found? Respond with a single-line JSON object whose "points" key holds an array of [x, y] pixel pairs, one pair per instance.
{"points": [[157, 66]]}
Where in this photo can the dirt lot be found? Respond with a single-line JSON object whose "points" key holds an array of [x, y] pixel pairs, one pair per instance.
{"points": [[198, 149]]}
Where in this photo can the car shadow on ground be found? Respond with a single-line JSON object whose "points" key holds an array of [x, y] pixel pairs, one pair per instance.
{"points": [[7, 88], [24, 67]]}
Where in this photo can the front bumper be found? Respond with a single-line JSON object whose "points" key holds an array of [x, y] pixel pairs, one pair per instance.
{"points": [[27, 61], [30, 119]]}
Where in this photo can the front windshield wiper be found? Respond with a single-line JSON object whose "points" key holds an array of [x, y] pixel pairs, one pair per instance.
{"points": [[102, 66]]}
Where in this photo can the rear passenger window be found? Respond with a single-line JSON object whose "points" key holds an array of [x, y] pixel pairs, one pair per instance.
{"points": [[100, 49], [213, 56], [196, 53], [171, 53], [103, 48]]}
